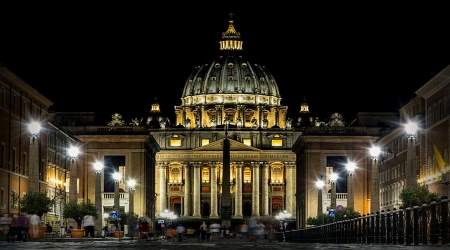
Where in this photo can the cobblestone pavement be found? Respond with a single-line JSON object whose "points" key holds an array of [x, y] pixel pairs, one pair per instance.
{"points": [[222, 244]]}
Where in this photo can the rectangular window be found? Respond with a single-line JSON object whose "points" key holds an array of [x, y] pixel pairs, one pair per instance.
{"points": [[205, 141], [175, 141], [247, 141], [78, 185], [277, 141]]}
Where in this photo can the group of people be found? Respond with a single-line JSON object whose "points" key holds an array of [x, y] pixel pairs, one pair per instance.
{"points": [[21, 227]]}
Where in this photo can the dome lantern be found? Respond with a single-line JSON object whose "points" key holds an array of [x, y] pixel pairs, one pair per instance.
{"points": [[231, 38]]}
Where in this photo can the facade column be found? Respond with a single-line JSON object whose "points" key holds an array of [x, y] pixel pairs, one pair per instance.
{"points": [[213, 212], [98, 202], [187, 191], [375, 194], [290, 185], [219, 115], [265, 188], [196, 189], [255, 189], [238, 191], [260, 116], [73, 181], [162, 187]]}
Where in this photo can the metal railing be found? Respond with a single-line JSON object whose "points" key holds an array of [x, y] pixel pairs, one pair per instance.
{"points": [[426, 224]]}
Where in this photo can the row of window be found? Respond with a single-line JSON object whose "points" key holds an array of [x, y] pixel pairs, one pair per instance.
{"points": [[276, 174], [176, 141]]}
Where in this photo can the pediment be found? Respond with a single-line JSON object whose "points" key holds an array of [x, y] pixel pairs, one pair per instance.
{"points": [[218, 146]]}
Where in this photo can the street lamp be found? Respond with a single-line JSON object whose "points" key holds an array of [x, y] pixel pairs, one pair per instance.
{"points": [[411, 128], [319, 185], [73, 151], [375, 152], [117, 176], [131, 184], [282, 217], [98, 167], [333, 178], [34, 128], [351, 167]]}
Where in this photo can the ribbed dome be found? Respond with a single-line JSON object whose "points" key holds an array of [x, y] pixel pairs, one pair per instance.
{"points": [[231, 74]]}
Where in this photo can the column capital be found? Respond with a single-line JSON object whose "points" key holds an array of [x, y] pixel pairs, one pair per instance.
{"points": [[239, 164]]}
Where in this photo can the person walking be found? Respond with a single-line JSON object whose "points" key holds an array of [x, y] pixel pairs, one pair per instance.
{"points": [[89, 225], [180, 231], [203, 230]]}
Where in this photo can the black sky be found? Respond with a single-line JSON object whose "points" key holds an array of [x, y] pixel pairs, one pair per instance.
{"points": [[108, 58]]}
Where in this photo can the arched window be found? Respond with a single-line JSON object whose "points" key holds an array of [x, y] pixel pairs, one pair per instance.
{"points": [[277, 174], [247, 175], [175, 175], [205, 175]]}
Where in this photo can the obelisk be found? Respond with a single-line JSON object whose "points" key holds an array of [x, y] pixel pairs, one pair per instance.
{"points": [[225, 204]]}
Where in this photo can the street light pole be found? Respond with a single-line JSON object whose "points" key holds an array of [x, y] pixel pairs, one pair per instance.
{"points": [[411, 128], [350, 166], [73, 152], [319, 185], [98, 167], [333, 178], [374, 153], [34, 128]]}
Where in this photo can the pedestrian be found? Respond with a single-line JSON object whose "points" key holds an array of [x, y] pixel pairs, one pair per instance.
{"points": [[35, 221], [89, 225], [22, 224], [5, 224], [203, 230], [49, 228], [180, 231]]}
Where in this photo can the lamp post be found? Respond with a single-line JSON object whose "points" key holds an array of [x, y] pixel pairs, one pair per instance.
{"points": [[117, 177], [351, 167], [411, 128], [98, 167], [131, 184], [333, 178], [374, 152], [319, 185], [34, 128], [73, 152], [282, 217]]}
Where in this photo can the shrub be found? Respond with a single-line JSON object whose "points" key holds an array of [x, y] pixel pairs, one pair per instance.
{"points": [[77, 211], [416, 196]]}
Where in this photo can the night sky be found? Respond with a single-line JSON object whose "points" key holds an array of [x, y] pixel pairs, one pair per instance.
{"points": [[110, 58]]}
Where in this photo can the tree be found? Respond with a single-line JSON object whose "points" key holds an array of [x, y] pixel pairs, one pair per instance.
{"points": [[416, 196], [36, 203], [78, 211]]}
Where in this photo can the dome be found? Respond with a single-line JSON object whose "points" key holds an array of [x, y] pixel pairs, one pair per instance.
{"points": [[230, 78], [231, 75]]}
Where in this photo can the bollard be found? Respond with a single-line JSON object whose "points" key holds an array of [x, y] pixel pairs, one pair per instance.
{"points": [[408, 226], [415, 225], [388, 227], [434, 225], [424, 224], [444, 221]]}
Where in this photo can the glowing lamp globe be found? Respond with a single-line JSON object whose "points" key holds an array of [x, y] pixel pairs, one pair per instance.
{"points": [[375, 151], [34, 127], [320, 184], [334, 176], [73, 151], [411, 128], [98, 166], [351, 166], [117, 176]]}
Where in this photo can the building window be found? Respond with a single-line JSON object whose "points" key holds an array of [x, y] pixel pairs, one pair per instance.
{"points": [[247, 175], [205, 175], [2, 197], [205, 141], [277, 174], [175, 141], [247, 141], [277, 141], [175, 175]]}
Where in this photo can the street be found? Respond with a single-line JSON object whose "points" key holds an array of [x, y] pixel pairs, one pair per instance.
{"points": [[221, 244]]}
